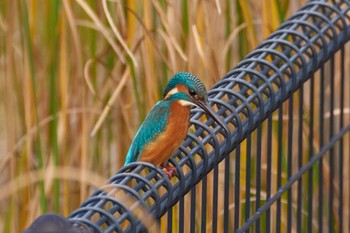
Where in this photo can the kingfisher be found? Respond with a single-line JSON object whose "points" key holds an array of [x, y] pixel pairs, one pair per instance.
{"points": [[165, 127]]}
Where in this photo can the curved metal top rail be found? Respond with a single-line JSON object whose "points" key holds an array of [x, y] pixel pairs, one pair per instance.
{"points": [[243, 98]]}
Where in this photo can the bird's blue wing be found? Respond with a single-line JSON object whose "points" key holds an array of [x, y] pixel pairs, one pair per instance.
{"points": [[154, 124]]}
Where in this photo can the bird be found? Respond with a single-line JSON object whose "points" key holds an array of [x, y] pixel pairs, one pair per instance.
{"points": [[166, 125]]}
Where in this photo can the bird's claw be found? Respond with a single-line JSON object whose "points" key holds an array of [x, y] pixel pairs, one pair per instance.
{"points": [[169, 171]]}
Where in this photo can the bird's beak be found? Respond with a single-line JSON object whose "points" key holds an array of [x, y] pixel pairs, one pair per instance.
{"points": [[208, 110]]}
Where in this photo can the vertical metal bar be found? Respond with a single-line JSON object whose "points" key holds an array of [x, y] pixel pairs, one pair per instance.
{"points": [[247, 181], [320, 171], [258, 174], [170, 220], [348, 88], [181, 214], [193, 209], [300, 157], [331, 151], [289, 162], [268, 170], [341, 125], [348, 54], [237, 186], [204, 205], [279, 167], [226, 193], [311, 141], [215, 199]]}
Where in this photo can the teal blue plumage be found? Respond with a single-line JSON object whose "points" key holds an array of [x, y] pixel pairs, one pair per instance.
{"points": [[154, 124], [189, 80]]}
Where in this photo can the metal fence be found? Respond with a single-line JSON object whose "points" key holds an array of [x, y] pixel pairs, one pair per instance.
{"points": [[281, 167]]}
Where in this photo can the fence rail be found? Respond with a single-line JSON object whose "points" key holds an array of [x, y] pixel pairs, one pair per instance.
{"points": [[299, 55]]}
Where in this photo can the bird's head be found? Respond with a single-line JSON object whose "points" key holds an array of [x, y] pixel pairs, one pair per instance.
{"points": [[188, 90]]}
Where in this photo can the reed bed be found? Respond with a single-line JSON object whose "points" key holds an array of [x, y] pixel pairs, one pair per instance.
{"points": [[78, 77]]}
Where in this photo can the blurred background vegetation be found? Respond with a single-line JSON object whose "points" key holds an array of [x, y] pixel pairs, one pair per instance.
{"points": [[79, 76]]}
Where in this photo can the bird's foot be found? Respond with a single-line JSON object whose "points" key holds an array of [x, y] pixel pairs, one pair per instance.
{"points": [[170, 174], [169, 171]]}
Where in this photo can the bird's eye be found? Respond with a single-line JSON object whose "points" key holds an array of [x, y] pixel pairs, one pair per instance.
{"points": [[192, 92]]}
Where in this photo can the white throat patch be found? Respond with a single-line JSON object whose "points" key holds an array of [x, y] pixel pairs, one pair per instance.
{"points": [[186, 103]]}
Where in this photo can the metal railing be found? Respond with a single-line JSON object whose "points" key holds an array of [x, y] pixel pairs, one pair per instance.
{"points": [[260, 98]]}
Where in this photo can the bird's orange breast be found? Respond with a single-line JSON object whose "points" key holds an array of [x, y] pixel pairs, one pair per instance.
{"points": [[171, 138]]}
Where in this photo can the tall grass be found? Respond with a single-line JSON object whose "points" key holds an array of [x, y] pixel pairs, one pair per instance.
{"points": [[78, 77]]}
